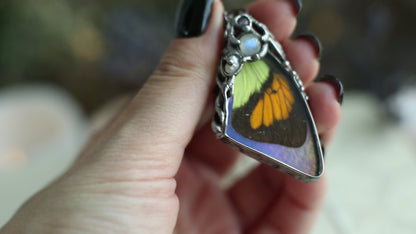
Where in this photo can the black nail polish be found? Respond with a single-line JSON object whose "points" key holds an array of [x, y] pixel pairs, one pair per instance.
{"points": [[323, 149], [336, 84], [298, 6], [193, 17], [314, 41]]}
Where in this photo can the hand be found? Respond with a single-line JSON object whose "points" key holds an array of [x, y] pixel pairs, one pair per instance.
{"points": [[158, 166]]}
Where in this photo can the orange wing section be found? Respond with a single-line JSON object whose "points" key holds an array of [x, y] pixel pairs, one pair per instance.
{"points": [[275, 105]]}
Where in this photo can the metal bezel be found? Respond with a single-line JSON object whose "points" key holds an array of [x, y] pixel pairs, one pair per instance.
{"points": [[225, 83]]}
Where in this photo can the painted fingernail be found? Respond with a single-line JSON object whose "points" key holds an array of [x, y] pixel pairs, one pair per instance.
{"points": [[336, 84], [298, 6], [192, 17], [323, 148], [314, 41]]}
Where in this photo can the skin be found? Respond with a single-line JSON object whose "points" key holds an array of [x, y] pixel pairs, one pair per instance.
{"points": [[157, 167]]}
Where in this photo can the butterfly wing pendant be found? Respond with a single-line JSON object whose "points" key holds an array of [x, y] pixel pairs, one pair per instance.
{"points": [[261, 107]]}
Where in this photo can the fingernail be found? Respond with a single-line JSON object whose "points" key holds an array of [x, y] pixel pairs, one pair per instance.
{"points": [[298, 6], [192, 17], [323, 149], [314, 41], [336, 84]]}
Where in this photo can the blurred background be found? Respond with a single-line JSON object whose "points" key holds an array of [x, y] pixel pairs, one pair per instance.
{"points": [[65, 65]]}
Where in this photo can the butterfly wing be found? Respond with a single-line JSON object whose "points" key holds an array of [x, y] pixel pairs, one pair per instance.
{"points": [[267, 106], [251, 79], [261, 109]]}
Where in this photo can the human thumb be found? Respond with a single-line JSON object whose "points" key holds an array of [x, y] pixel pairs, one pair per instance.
{"points": [[154, 129]]}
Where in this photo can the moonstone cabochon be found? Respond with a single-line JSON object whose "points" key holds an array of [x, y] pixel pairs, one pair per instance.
{"points": [[306, 158], [250, 44]]}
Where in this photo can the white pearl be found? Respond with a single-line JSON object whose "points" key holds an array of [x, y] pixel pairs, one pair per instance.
{"points": [[249, 45], [232, 65]]}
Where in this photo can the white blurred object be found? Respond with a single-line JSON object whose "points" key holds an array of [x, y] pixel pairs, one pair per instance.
{"points": [[42, 130], [371, 170], [403, 104]]}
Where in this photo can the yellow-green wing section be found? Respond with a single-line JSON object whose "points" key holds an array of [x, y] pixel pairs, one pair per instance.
{"points": [[248, 81]]}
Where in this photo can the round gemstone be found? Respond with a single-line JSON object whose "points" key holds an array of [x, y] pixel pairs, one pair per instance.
{"points": [[232, 65], [243, 21], [250, 45]]}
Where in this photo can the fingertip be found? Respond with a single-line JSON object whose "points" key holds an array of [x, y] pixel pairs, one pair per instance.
{"points": [[194, 57], [193, 17], [313, 41], [324, 106], [336, 84], [308, 195], [278, 15], [302, 55]]}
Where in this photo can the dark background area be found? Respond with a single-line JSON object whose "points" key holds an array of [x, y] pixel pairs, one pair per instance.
{"points": [[97, 50]]}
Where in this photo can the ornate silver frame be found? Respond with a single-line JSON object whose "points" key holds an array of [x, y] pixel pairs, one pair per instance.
{"points": [[228, 70]]}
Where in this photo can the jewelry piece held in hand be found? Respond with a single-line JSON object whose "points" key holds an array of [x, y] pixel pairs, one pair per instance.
{"points": [[261, 106]]}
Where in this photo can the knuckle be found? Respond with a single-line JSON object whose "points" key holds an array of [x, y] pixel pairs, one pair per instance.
{"points": [[179, 61]]}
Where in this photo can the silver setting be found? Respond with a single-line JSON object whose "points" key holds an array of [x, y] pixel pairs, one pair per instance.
{"points": [[232, 64], [237, 25]]}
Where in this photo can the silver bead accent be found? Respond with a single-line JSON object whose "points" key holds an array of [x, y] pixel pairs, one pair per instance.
{"points": [[232, 65]]}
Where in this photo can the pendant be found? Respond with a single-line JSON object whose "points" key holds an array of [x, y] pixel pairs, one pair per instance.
{"points": [[261, 105]]}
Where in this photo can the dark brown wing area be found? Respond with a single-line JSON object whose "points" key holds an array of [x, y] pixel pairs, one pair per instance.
{"points": [[277, 114]]}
